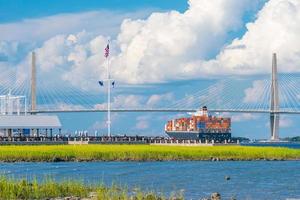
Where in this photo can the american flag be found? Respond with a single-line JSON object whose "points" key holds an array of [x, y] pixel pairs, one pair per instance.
{"points": [[106, 51]]}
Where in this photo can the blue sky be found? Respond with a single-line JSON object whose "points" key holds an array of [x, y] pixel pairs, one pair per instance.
{"points": [[161, 51], [20, 9]]}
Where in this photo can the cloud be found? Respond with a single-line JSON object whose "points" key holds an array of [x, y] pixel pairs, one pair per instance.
{"points": [[232, 47], [149, 53], [213, 96], [123, 101], [275, 30], [68, 46], [39, 29], [102, 125], [244, 117], [285, 122], [144, 51], [77, 61], [137, 101], [12, 52], [64, 106], [255, 93], [98, 125], [75, 58], [142, 122], [157, 99], [7, 49]]}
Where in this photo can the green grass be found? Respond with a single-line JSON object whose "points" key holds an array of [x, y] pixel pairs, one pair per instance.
{"points": [[53, 153], [23, 189]]}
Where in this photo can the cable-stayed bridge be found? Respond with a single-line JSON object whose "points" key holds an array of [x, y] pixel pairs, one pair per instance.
{"points": [[163, 110], [277, 95]]}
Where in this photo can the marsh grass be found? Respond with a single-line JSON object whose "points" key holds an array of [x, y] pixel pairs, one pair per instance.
{"points": [[54, 153], [23, 189]]}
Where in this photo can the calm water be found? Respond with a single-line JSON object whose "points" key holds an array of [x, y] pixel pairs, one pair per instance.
{"points": [[294, 145], [249, 180]]}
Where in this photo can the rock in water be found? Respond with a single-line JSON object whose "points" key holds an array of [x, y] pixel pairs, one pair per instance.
{"points": [[215, 196]]}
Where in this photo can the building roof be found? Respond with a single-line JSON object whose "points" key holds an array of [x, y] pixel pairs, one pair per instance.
{"points": [[29, 121]]}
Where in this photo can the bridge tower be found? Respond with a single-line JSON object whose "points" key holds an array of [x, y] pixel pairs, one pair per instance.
{"points": [[33, 82], [274, 103], [33, 90]]}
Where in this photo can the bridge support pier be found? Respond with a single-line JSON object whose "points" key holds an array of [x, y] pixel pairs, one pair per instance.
{"points": [[274, 125], [274, 104]]}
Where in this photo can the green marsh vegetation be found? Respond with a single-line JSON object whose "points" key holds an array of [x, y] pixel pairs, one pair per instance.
{"points": [[54, 153], [49, 189]]}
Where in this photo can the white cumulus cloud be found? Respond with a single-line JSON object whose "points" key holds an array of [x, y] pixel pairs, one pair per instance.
{"points": [[162, 47], [275, 30], [156, 49], [169, 45]]}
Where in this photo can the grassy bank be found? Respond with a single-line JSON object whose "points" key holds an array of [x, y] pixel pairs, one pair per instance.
{"points": [[22, 189], [53, 153]]}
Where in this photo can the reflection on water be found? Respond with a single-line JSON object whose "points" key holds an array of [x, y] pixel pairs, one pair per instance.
{"points": [[249, 179]]}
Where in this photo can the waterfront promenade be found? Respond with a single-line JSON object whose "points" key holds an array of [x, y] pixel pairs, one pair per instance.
{"points": [[65, 139]]}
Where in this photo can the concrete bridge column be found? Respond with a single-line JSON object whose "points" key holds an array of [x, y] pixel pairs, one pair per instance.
{"points": [[274, 104]]}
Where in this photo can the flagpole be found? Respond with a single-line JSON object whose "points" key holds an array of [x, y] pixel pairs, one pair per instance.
{"points": [[108, 98]]}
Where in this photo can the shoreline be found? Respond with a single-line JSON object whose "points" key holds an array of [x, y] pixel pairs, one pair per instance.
{"points": [[144, 161]]}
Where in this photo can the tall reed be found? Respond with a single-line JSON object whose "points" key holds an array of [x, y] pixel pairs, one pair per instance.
{"points": [[23, 189]]}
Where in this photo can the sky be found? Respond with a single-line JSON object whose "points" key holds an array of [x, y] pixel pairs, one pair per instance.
{"points": [[160, 52]]}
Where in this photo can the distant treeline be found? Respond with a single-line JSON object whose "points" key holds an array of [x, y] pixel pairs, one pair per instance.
{"points": [[292, 139], [241, 139]]}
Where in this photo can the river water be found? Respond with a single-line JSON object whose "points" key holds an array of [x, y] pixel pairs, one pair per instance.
{"points": [[249, 179], [292, 145]]}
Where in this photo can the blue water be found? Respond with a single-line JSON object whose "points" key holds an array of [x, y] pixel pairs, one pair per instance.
{"points": [[249, 179], [292, 145]]}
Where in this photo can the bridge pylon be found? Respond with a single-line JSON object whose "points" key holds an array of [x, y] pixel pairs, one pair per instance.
{"points": [[33, 82], [274, 103]]}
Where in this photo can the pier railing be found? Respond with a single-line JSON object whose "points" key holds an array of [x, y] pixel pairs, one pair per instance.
{"points": [[107, 140]]}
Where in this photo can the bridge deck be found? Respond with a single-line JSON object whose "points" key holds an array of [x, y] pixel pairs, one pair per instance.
{"points": [[166, 110]]}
